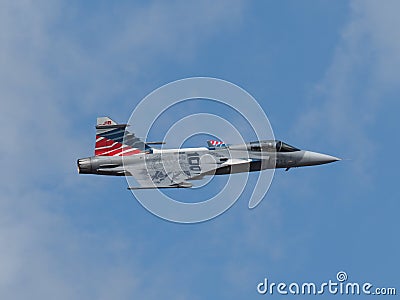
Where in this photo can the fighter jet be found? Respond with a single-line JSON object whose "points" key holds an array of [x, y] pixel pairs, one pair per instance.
{"points": [[119, 152]]}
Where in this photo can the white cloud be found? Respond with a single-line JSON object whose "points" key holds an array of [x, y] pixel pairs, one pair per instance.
{"points": [[115, 48], [49, 79], [365, 67]]}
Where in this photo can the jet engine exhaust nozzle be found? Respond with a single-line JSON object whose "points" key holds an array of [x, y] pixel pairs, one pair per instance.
{"points": [[84, 165]]}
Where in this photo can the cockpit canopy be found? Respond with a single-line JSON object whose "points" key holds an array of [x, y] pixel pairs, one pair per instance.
{"points": [[271, 146]]}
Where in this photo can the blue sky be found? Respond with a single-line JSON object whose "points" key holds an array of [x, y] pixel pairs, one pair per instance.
{"points": [[325, 72]]}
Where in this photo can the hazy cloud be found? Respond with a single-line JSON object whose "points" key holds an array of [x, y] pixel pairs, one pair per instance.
{"points": [[346, 104], [58, 65]]}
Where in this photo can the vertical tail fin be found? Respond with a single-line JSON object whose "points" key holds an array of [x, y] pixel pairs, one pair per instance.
{"points": [[110, 139]]}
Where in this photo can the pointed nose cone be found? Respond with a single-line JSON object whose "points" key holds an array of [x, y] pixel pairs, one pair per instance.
{"points": [[315, 158]]}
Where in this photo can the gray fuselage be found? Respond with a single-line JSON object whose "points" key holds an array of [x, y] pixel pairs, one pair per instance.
{"points": [[255, 156]]}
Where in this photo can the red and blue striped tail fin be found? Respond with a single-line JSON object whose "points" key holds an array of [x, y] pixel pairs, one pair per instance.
{"points": [[215, 144], [110, 139]]}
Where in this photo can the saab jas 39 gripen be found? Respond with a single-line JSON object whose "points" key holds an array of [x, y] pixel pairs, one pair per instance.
{"points": [[119, 152]]}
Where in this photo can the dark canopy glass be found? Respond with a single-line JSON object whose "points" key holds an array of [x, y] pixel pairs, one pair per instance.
{"points": [[271, 146]]}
